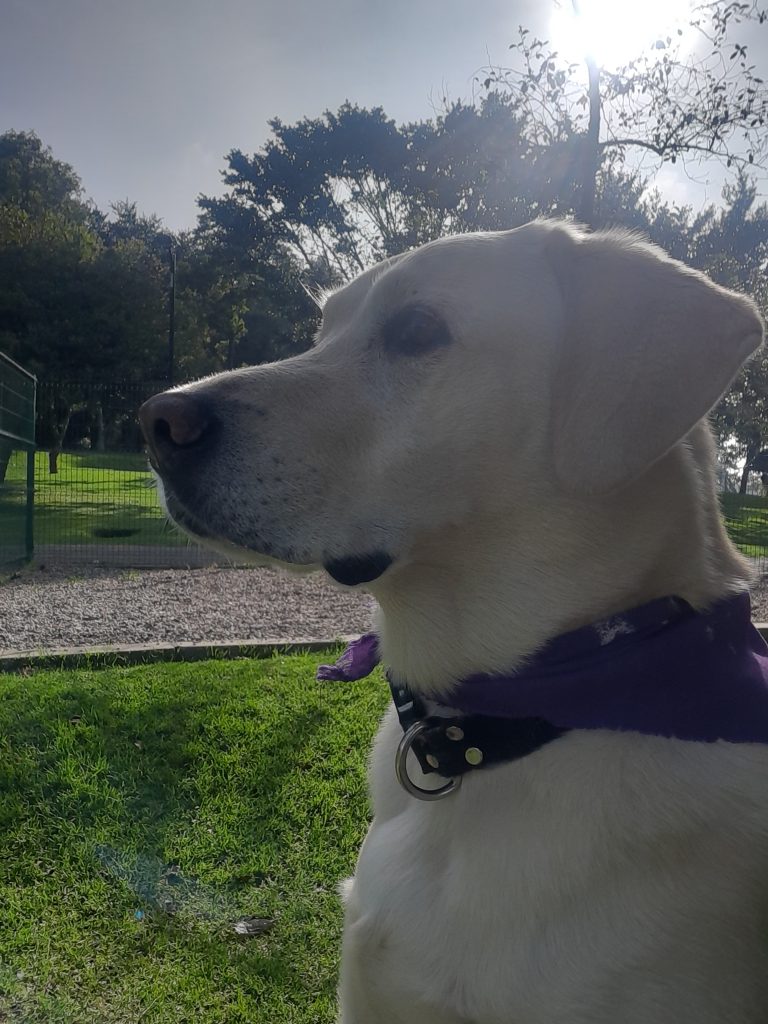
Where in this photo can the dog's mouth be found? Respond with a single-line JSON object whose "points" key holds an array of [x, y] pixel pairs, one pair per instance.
{"points": [[350, 571]]}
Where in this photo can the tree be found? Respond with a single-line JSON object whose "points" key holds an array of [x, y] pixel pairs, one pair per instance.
{"points": [[71, 305], [668, 103], [73, 310], [731, 245], [238, 304], [127, 224], [82, 295], [34, 182], [339, 192], [320, 189]]}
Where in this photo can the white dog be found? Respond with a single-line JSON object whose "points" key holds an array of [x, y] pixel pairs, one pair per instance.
{"points": [[502, 437]]}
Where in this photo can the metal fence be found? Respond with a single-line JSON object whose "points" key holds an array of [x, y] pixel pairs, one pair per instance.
{"points": [[17, 448], [746, 519], [95, 497]]}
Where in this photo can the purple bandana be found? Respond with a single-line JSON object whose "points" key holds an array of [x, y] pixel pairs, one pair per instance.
{"points": [[661, 669]]}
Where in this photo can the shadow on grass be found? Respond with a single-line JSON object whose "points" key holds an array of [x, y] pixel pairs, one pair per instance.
{"points": [[66, 524], [88, 747], [118, 462]]}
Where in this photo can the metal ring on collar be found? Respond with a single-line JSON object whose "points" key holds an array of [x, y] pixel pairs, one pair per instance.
{"points": [[401, 769]]}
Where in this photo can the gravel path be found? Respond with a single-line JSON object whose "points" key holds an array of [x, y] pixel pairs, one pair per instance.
{"points": [[45, 609], [54, 608]]}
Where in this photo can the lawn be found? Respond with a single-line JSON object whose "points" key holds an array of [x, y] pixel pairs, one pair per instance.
{"points": [[93, 499], [144, 811]]}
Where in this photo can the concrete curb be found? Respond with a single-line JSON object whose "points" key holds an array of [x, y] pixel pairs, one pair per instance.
{"points": [[143, 654]]}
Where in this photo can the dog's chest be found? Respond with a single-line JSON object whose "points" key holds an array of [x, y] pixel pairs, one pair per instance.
{"points": [[551, 883]]}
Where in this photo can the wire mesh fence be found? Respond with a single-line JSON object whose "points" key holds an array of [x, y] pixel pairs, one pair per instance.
{"points": [[95, 497], [746, 520]]}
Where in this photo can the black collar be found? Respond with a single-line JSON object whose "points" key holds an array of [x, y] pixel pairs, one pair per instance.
{"points": [[451, 745]]}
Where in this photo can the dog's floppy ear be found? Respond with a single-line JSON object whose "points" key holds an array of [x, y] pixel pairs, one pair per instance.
{"points": [[649, 348]]}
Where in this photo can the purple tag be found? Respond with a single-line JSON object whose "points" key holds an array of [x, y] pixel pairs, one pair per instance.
{"points": [[359, 660]]}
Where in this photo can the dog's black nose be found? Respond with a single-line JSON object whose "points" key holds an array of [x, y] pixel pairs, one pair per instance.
{"points": [[172, 422]]}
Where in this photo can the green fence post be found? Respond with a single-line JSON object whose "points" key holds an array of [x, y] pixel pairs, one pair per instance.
{"points": [[29, 526]]}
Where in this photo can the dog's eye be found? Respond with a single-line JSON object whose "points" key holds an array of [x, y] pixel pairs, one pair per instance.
{"points": [[414, 332]]}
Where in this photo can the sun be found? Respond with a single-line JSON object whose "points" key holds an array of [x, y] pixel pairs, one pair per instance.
{"points": [[615, 31]]}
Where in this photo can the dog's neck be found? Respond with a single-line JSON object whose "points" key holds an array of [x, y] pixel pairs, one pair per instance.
{"points": [[514, 583]]}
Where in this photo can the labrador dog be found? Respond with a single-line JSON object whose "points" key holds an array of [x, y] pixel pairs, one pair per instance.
{"points": [[503, 437]]}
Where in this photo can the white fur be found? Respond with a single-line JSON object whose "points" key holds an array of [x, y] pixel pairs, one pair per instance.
{"points": [[548, 468]]}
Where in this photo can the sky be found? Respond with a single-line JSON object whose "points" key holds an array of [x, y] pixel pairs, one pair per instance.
{"points": [[146, 97]]}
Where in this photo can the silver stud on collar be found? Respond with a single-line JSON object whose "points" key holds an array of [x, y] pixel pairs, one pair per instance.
{"points": [[432, 761], [453, 732], [473, 756]]}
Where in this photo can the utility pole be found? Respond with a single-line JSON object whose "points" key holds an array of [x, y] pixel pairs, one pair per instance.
{"points": [[171, 310]]}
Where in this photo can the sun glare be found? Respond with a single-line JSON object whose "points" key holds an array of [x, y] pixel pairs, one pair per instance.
{"points": [[615, 31]]}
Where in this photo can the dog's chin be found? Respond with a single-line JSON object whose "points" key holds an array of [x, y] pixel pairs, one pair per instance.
{"points": [[348, 571], [202, 533]]}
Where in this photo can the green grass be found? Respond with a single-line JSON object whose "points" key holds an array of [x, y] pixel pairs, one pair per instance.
{"points": [[93, 499], [228, 788]]}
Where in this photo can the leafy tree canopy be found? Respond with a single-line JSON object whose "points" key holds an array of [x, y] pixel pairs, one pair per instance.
{"points": [[33, 181]]}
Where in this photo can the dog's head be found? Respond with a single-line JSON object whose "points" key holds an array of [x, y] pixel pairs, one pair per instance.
{"points": [[449, 387]]}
